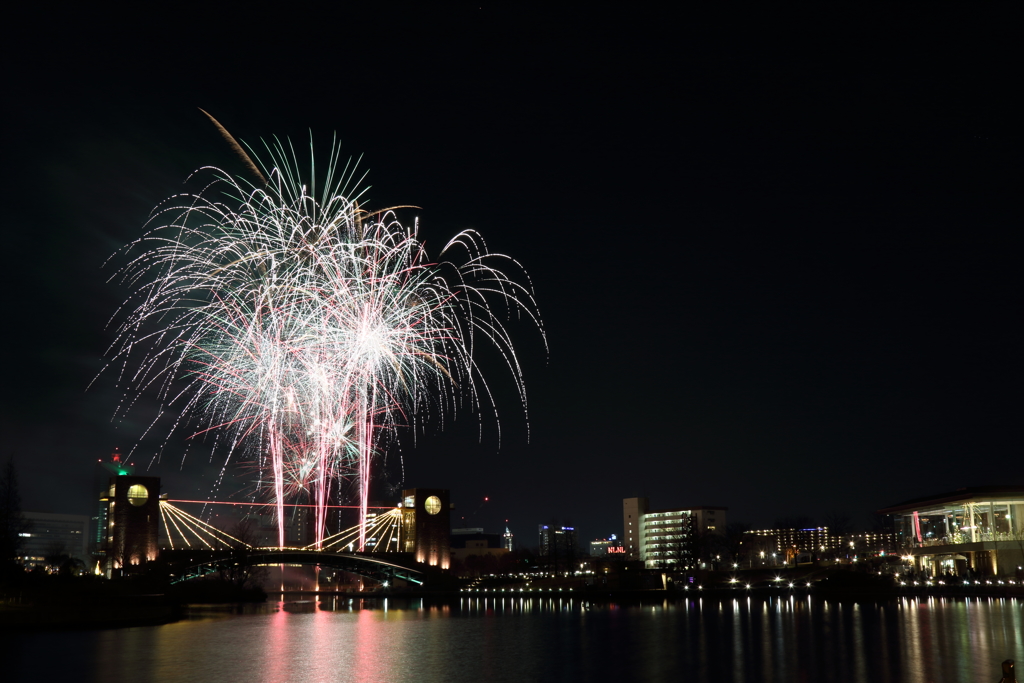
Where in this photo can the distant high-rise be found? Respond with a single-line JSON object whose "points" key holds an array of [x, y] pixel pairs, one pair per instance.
{"points": [[633, 510], [559, 546]]}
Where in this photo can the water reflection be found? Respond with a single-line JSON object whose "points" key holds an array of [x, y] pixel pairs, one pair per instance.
{"points": [[345, 638]]}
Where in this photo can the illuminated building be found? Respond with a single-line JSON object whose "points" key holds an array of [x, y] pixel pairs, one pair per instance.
{"points": [[558, 546], [556, 540], [506, 540], [426, 519], [607, 546], [100, 524], [791, 542], [632, 510], [980, 528], [104, 470], [867, 542], [51, 534], [668, 537], [133, 516]]}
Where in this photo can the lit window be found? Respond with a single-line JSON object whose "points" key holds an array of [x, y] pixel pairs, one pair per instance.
{"points": [[432, 505], [137, 495]]}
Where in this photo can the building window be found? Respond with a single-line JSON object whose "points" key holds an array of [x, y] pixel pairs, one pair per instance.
{"points": [[138, 495], [432, 505]]}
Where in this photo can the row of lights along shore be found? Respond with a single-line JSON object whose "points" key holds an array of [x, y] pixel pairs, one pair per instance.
{"points": [[790, 584]]}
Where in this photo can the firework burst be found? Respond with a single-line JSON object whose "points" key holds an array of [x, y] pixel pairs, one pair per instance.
{"points": [[303, 328]]}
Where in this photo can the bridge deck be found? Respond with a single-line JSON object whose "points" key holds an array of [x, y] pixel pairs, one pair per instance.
{"points": [[369, 566]]}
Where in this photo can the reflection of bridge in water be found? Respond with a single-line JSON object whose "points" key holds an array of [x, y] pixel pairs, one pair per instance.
{"points": [[367, 565]]}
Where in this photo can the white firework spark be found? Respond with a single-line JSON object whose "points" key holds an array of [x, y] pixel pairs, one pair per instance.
{"points": [[304, 328]]}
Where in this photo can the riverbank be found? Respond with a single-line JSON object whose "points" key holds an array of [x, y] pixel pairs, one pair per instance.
{"points": [[90, 614], [822, 589], [56, 602], [101, 604]]}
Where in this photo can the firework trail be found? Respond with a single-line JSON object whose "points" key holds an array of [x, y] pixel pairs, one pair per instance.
{"points": [[236, 148], [299, 326]]}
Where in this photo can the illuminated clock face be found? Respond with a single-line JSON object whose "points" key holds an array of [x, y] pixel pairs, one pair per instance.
{"points": [[432, 505], [137, 494]]}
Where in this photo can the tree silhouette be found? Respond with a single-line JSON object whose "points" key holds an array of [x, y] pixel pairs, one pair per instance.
{"points": [[12, 523]]}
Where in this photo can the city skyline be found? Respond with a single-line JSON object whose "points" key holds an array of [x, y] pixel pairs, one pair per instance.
{"points": [[777, 267]]}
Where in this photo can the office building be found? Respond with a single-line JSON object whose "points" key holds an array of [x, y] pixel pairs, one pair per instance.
{"points": [[49, 535]]}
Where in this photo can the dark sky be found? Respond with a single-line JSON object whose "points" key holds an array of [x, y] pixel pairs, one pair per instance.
{"points": [[777, 256]]}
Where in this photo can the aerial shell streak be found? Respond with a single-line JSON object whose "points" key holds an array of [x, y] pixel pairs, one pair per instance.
{"points": [[302, 329]]}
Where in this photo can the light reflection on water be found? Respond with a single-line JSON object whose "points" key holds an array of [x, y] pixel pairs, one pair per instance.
{"points": [[337, 638]]}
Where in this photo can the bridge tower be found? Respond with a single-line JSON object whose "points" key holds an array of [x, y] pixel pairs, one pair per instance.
{"points": [[426, 526], [132, 517]]}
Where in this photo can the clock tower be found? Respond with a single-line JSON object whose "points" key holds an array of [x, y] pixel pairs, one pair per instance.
{"points": [[426, 526]]}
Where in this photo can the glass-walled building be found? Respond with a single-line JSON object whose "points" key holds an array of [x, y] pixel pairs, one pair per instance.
{"points": [[977, 530]]}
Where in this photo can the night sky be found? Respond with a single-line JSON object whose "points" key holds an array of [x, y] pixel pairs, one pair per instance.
{"points": [[777, 256]]}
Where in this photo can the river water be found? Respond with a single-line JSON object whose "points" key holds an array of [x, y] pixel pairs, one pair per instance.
{"points": [[792, 638]]}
